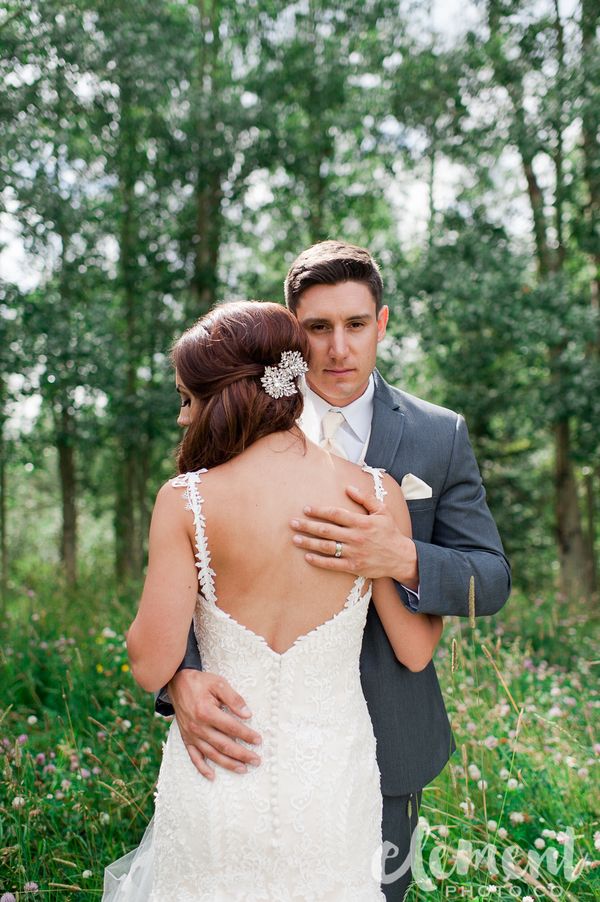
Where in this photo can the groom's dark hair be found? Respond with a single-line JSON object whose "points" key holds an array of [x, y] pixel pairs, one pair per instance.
{"points": [[220, 361], [329, 263]]}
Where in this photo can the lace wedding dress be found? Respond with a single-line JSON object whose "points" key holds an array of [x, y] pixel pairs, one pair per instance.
{"points": [[306, 823]]}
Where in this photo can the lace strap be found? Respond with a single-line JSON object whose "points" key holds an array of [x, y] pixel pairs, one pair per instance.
{"points": [[194, 501], [377, 474]]}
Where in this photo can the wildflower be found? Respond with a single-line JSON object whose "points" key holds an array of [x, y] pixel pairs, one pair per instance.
{"points": [[7, 897], [490, 742], [583, 772], [66, 784], [528, 899], [468, 807], [18, 802], [549, 834], [597, 840], [85, 773], [125, 668], [99, 668], [471, 727], [502, 832], [555, 711], [504, 774], [104, 817], [516, 817], [562, 837], [482, 785], [512, 783], [492, 825], [40, 758], [539, 843], [108, 633], [474, 772], [86, 875], [570, 761], [22, 739], [32, 719], [30, 887], [126, 725]]}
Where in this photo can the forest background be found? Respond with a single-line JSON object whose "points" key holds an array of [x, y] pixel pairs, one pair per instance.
{"points": [[159, 157]]}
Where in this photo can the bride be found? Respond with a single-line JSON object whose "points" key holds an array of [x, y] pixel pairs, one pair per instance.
{"points": [[305, 823]]}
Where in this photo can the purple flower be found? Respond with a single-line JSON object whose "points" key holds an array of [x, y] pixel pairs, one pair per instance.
{"points": [[40, 758], [31, 887], [7, 897], [22, 739]]}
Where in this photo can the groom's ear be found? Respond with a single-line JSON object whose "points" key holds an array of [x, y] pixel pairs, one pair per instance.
{"points": [[382, 321]]}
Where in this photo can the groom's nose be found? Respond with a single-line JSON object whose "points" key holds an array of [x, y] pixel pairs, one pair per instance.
{"points": [[339, 343]]}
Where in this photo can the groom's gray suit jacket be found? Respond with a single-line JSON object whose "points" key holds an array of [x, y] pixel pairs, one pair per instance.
{"points": [[456, 538]]}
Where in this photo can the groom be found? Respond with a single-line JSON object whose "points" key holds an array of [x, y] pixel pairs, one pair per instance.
{"points": [[335, 290]]}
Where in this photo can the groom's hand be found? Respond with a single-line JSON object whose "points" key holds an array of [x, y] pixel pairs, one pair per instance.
{"points": [[209, 732], [372, 543]]}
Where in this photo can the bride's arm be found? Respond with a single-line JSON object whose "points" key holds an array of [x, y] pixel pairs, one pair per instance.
{"points": [[412, 636], [156, 640]]}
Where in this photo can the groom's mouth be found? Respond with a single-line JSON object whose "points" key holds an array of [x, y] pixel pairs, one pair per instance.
{"points": [[345, 372]]}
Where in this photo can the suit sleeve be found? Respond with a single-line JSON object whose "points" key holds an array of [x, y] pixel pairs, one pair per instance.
{"points": [[191, 661], [465, 543]]}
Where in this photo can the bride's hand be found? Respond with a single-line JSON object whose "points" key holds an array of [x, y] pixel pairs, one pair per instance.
{"points": [[209, 732]]}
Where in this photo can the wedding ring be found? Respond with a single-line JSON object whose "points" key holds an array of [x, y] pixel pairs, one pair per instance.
{"points": [[338, 549]]}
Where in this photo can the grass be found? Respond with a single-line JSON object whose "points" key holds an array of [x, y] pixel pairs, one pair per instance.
{"points": [[80, 750]]}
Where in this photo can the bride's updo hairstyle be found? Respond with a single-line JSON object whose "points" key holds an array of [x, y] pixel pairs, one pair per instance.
{"points": [[221, 360]]}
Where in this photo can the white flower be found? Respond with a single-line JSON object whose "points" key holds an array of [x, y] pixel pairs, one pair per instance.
{"points": [[32, 719], [108, 633], [528, 899], [482, 785], [516, 817], [490, 742], [86, 875], [583, 772], [443, 830], [474, 772], [492, 826], [597, 840], [502, 832], [469, 808], [512, 783], [539, 843], [18, 802], [555, 711], [562, 837], [549, 834], [504, 774], [570, 761], [104, 817]]}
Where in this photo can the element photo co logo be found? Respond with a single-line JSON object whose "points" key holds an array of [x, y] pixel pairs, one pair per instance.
{"points": [[497, 862]]}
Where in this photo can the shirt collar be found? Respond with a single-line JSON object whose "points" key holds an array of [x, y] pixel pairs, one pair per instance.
{"points": [[358, 413]]}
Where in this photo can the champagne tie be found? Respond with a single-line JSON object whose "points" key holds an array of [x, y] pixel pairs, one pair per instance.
{"points": [[330, 424]]}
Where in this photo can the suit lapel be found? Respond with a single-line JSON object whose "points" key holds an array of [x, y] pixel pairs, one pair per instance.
{"points": [[386, 427]]}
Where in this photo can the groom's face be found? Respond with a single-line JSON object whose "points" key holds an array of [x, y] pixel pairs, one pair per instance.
{"points": [[343, 330]]}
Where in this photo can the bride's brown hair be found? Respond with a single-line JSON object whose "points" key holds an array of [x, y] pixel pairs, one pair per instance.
{"points": [[220, 360]]}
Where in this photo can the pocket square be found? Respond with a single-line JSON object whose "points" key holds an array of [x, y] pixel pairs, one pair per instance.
{"points": [[413, 488]]}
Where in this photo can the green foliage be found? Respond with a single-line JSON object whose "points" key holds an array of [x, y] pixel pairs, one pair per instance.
{"points": [[81, 748]]}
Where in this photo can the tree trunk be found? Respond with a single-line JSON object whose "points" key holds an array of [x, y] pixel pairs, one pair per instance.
{"points": [[575, 573], [3, 524], [590, 501], [590, 16], [127, 534], [65, 444]]}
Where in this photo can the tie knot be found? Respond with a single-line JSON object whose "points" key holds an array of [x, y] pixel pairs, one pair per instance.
{"points": [[331, 422]]}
